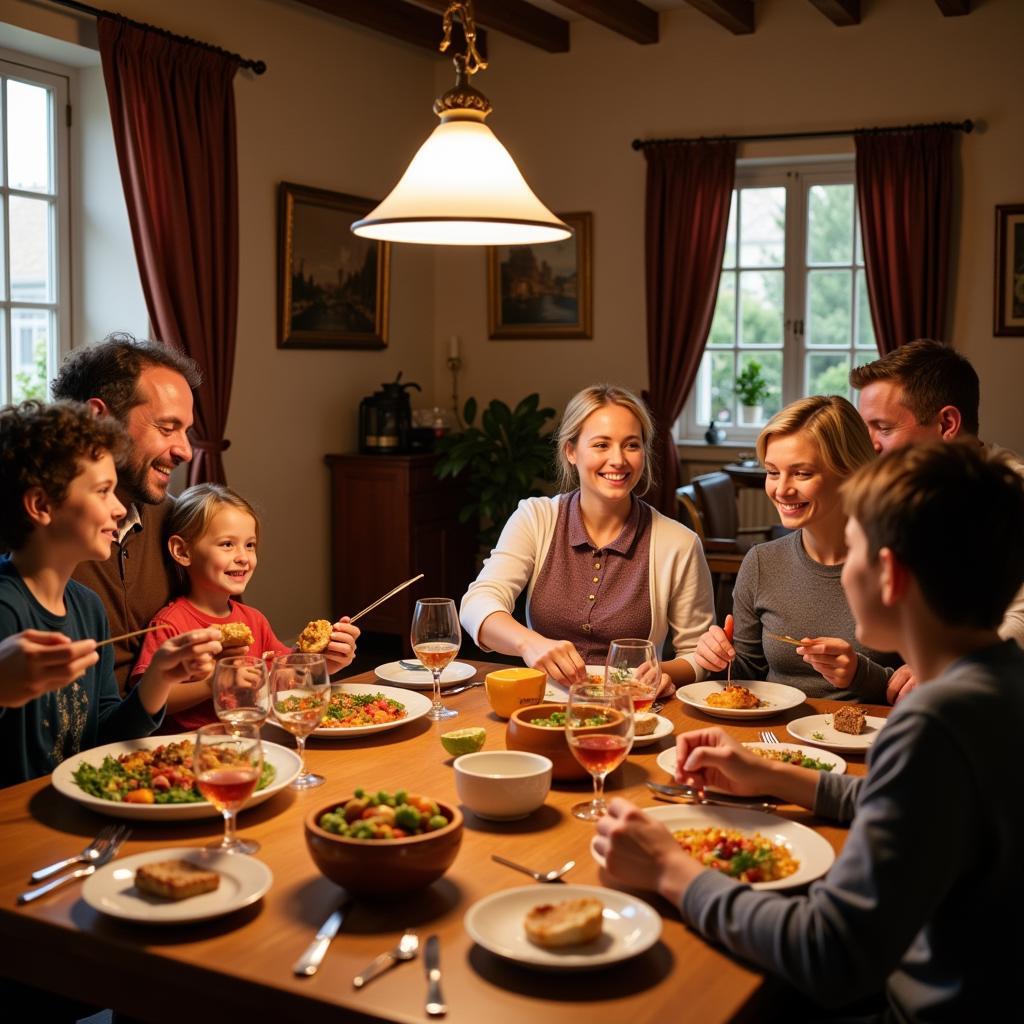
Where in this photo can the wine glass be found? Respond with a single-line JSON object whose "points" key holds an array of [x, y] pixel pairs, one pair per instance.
{"points": [[227, 762], [436, 637], [241, 690], [599, 728], [300, 690], [635, 665]]}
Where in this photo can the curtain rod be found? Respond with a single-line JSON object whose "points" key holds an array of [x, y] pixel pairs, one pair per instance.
{"points": [[961, 126], [258, 67]]}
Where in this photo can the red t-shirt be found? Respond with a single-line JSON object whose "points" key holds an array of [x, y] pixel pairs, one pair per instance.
{"points": [[182, 616]]}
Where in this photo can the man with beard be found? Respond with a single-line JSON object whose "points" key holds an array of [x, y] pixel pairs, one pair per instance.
{"points": [[148, 388]]}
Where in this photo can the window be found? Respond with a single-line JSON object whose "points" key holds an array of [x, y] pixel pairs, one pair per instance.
{"points": [[34, 284], [792, 298]]}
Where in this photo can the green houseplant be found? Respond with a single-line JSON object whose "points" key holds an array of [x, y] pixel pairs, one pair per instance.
{"points": [[752, 389], [501, 461]]}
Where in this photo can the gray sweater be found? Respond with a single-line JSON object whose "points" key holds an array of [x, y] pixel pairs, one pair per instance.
{"points": [[925, 896], [780, 589]]}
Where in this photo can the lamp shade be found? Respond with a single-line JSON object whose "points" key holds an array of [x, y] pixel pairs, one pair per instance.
{"points": [[462, 188]]}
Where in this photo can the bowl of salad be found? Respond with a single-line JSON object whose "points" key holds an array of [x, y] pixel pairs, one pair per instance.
{"points": [[540, 729]]}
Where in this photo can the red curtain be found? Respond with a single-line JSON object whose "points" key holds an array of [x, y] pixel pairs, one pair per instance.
{"points": [[905, 197], [689, 187], [173, 109]]}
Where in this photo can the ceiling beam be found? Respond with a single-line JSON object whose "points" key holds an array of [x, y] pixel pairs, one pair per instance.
{"points": [[840, 12], [629, 18], [518, 19], [954, 8], [735, 15]]}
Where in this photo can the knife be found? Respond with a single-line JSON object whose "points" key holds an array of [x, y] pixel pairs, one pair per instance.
{"points": [[432, 963], [690, 795], [309, 963]]}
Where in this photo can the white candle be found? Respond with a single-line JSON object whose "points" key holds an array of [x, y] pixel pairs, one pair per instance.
{"points": [[453, 347]]}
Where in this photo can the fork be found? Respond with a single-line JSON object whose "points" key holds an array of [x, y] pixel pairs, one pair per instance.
{"points": [[83, 872], [768, 737], [93, 852]]}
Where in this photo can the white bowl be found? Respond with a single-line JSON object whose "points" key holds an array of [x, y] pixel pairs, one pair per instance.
{"points": [[502, 785]]}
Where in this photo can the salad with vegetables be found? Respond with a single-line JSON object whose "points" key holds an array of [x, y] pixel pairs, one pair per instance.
{"points": [[384, 815]]}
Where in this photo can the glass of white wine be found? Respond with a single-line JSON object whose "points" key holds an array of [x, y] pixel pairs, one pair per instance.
{"points": [[436, 637], [241, 690], [599, 728], [228, 763], [300, 688]]}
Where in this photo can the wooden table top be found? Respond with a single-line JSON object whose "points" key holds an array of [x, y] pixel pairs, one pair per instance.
{"points": [[241, 963]]}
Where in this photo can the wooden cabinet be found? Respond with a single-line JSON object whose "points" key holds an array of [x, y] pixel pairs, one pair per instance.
{"points": [[391, 518]]}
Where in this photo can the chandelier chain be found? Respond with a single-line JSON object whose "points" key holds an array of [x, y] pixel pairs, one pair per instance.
{"points": [[470, 61]]}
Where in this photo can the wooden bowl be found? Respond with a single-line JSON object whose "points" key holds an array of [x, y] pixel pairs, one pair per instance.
{"points": [[384, 867], [522, 734]]}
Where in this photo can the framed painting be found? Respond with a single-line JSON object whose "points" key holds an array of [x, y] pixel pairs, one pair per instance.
{"points": [[333, 284], [542, 291], [1009, 297]]}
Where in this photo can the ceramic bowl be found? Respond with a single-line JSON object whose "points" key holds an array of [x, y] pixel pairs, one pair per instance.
{"points": [[502, 785], [522, 734]]}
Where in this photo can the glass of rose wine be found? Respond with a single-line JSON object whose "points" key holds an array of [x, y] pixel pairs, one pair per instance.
{"points": [[436, 637], [228, 763], [241, 690], [635, 665], [300, 689], [599, 728]]}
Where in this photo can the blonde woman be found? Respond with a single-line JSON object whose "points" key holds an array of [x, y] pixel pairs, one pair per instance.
{"points": [[791, 586], [597, 562]]}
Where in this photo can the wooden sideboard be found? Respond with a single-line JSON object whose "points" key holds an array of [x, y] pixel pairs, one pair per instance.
{"points": [[391, 518]]}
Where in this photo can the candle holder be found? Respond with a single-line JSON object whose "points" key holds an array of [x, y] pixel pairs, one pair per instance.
{"points": [[454, 365]]}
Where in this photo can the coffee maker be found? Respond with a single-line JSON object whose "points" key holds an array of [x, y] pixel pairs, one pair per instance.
{"points": [[385, 419]]}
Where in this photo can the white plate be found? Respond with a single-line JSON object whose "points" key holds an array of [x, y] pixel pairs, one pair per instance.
{"points": [[558, 693], [112, 889], [661, 730], [804, 729], [774, 697], [285, 761], [814, 852], [667, 758], [421, 679], [416, 706], [496, 923]]}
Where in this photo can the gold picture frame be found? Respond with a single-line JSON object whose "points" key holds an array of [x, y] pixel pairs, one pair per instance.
{"points": [[1008, 319], [334, 287], [543, 291]]}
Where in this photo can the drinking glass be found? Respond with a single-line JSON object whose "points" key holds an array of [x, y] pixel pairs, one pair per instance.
{"points": [[635, 665], [300, 689], [241, 690], [228, 762], [436, 638], [599, 728]]}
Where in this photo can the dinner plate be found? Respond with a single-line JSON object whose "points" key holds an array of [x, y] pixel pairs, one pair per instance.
{"points": [[817, 729], [664, 728], [558, 693], [774, 697], [814, 852], [287, 765], [667, 758], [421, 679], [416, 706], [496, 923], [111, 890]]}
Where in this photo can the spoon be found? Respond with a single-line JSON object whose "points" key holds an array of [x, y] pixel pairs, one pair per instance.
{"points": [[407, 948], [690, 795], [549, 876]]}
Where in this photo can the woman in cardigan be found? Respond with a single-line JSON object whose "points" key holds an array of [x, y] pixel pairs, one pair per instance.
{"points": [[597, 563]]}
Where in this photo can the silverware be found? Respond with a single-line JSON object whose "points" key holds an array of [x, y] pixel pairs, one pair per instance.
{"points": [[412, 666], [690, 795], [105, 836], [785, 638], [381, 600], [768, 737], [435, 1005], [309, 963], [83, 872], [128, 636], [452, 690], [407, 948], [539, 876], [658, 705]]}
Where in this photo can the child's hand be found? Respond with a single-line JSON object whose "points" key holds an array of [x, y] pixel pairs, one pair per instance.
{"points": [[33, 663], [342, 648], [185, 658]]}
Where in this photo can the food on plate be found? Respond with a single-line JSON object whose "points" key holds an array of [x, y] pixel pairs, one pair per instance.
{"points": [[384, 815], [556, 720], [175, 879], [595, 679], [792, 757], [644, 723], [463, 741], [567, 923], [848, 719], [162, 775], [748, 858], [735, 697], [315, 637], [348, 710], [235, 634]]}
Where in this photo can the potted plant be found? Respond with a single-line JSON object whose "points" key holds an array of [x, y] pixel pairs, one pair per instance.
{"points": [[502, 461], [752, 389]]}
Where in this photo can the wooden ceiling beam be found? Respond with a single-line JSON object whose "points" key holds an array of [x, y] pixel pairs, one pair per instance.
{"points": [[629, 18], [953, 8], [840, 12], [518, 19], [735, 15]]}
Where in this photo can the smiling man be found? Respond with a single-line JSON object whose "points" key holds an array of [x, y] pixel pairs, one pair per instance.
{"points": [[148, 388]]}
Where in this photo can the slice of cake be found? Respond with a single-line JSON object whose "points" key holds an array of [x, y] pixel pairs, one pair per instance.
{"points": [[848, 719], [175, 879]]}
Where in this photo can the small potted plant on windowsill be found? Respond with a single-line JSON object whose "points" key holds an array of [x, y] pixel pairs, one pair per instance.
{"points": [[752, 389]]}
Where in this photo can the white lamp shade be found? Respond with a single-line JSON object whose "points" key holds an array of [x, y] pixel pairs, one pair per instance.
{"points": [[462, 188]]}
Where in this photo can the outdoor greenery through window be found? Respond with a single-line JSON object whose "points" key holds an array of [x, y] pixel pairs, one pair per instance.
{"points": [[792, 313]]}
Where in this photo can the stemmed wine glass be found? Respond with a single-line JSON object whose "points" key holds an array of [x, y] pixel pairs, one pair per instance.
{"points": [[599, 728], [635, 665], [228, 762], [241, 690], [300, 688], [436, 637]]}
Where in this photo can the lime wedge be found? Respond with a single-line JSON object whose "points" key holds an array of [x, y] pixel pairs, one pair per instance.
{"points": [[463, 741]]}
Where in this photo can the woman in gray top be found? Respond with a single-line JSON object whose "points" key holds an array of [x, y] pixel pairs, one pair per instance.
{"points": [[791, 586]]}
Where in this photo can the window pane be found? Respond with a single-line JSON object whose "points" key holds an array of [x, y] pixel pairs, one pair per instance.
{"points": [[3, 250], [31, 280], [865, 325], [828, 374], [761, 294], [828, 307], [723, 325], [762, 227], [729, 259], [770, 366], [722, 390], [830, 224], [31, 330], [28, 137]]}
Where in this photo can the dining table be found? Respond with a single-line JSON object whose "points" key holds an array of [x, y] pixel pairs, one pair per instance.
{"points": [[239, 966]]}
